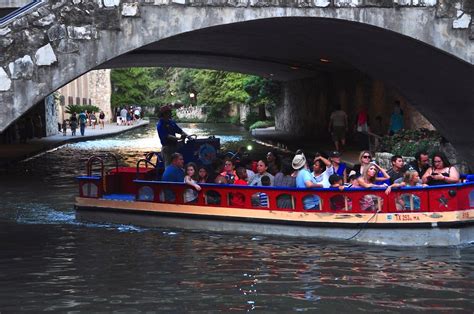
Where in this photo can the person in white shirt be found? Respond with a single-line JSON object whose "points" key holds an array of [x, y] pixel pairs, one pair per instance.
{"points": [[322, 169]]}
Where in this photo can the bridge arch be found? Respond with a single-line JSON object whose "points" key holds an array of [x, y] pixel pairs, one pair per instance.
{"points": [[410, 48]]}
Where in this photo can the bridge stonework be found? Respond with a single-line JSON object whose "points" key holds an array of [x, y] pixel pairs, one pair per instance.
{"points": [[44, 49]]}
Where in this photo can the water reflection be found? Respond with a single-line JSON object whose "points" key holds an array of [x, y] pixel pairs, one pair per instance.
{"points": [[51, 261]]}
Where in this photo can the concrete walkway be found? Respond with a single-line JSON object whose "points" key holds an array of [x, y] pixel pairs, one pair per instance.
{"points": [[16, 152]]}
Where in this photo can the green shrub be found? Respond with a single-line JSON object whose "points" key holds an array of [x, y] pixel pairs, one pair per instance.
{"points": [[251, 118], [81, 108], [262, 124], [408, 142], [235, 120]]}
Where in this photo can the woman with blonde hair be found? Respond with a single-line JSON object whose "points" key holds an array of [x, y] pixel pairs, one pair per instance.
{"points": [[365, 157], [369, 177]]}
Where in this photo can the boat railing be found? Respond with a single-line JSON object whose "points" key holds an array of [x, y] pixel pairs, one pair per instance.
{"points": [[429, 199], [147, 162]]}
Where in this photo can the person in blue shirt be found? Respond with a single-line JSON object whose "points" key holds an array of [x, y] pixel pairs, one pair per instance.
{"points": [[396, 119], [167, 131], [304, 179], [173, 173], [82, 121]]}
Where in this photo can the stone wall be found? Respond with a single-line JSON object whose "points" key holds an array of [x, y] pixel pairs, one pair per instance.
{"points": [[100, 91], [244, 110], [192, 113], [306, 104], [51, 117]]}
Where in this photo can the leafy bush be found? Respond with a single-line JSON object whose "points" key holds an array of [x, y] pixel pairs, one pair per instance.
{"points": [[408, 142], [251, 118], [80, 108], [235, 120], [262, 124], [214, 114]]}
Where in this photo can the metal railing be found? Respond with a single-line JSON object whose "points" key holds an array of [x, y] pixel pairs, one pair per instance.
{"points": [[4, 21]]}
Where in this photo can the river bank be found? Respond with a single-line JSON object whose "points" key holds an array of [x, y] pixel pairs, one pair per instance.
{"points": [[10, 153]]}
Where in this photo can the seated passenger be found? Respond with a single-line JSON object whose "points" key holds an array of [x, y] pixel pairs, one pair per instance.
{"points": [[335, 181], [369, 177], [322, 169], [216, 167], [365, 157], [398, 168], [352, 180], [339, 167], [237, 198], [304, 179], [174, 172], [262, 170], [441, 172], [247, 163], [241, 176], [191, 195], [412, 178], [273, 162], [229, 171], [421, 162], [284, 177], [263, 197], [203, 176]]}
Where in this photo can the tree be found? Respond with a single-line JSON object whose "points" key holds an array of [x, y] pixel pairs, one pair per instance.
{"points": [[215, 89], [261, 91]]}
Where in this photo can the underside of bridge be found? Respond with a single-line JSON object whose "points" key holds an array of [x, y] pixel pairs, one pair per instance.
{"points": [[437, 84]]}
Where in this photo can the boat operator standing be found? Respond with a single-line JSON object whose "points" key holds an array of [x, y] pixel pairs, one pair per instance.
{"points": [[167, 131]]}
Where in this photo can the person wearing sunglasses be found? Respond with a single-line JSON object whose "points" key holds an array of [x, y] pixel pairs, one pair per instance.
{"points": [[365, 157]]}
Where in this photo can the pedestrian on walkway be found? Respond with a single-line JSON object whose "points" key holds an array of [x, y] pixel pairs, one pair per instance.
{"points": [[82, 122], [73, 123], [64, 127], [93, 119], [101, 119], [338, 127]]}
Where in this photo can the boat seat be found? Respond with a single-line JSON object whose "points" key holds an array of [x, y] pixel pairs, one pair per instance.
{"points": [[119, 197], [470, 178]]}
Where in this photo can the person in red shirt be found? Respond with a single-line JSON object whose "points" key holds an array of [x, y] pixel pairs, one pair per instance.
{"points": [[237, 198], [229, 172], [241, 176]]}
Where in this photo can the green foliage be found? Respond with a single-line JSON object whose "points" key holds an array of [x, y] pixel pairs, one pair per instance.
{"points": [[154, 87], [142, 86], [251, 118], [261, 90], [235, 120], [262, 124], [408, 142], [80, 108]]}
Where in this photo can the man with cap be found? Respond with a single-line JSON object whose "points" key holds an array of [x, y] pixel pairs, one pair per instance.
{"points": [[339, 167], [304, 179], [167, 131]]}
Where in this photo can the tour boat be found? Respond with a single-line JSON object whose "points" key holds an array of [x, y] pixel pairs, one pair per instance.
{"points": [[428, 216]]}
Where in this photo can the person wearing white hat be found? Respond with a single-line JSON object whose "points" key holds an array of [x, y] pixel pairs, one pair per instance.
{"points": [[304, 179]]}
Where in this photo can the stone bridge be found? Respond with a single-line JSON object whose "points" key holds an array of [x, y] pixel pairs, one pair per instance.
{"points": [[423, 49]]}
